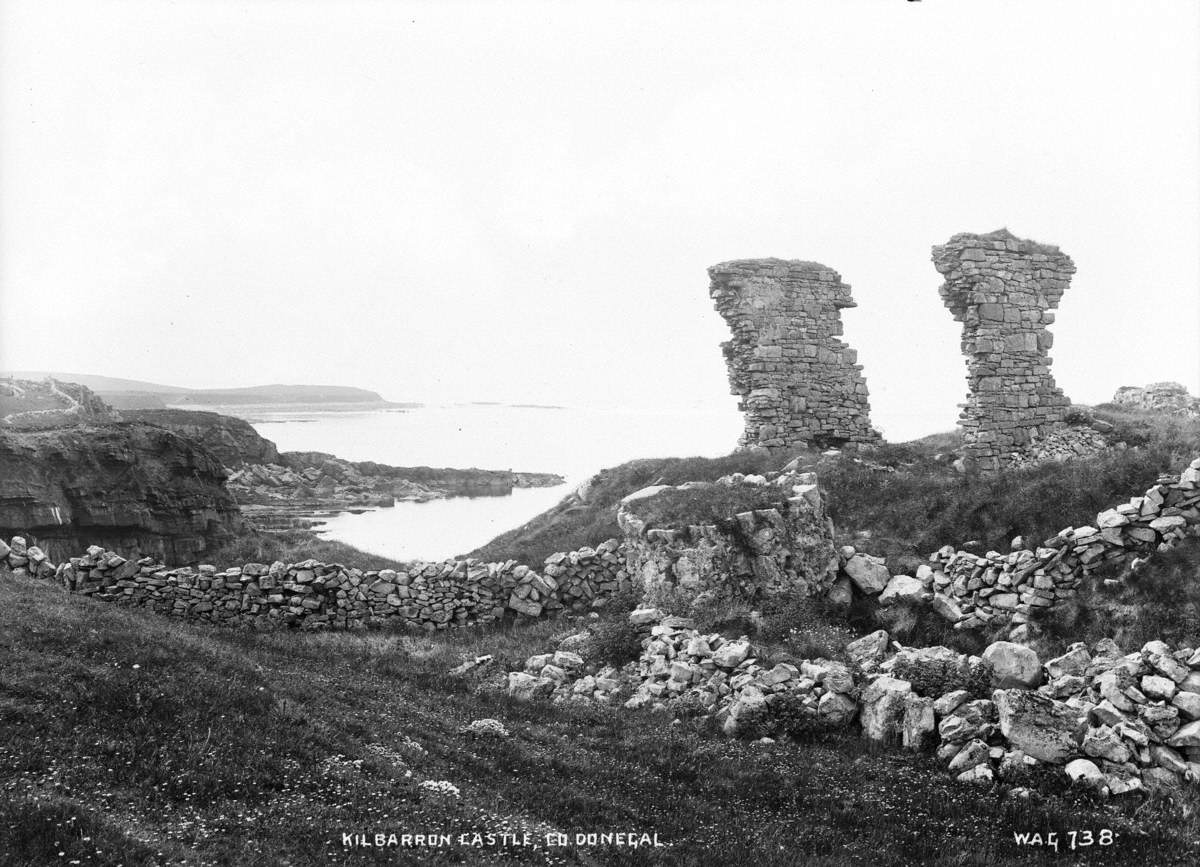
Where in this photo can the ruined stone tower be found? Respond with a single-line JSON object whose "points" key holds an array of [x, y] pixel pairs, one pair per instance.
{"points": [[798, 383], [1003, 290]]}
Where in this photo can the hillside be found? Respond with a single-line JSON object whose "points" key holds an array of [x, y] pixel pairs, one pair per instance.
{"points": [[900, 501], [129, 739]]}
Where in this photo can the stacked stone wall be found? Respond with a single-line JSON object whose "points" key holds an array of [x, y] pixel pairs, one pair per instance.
{"points": [[799, 384], [315, 595], [974, 590], [1003, 290]]}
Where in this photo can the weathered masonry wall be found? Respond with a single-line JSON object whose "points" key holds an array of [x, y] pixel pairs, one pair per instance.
{"points": [[760, 553], [314, 595], [1003, 290], [798, 383]]}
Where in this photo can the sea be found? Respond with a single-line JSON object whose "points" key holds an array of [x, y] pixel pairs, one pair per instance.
{"points": [[572, 442]]}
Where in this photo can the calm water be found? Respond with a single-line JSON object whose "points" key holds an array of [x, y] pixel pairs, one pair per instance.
{"points": [[572, 442]]}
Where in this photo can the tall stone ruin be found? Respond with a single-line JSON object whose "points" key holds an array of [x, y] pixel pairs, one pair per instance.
{"points": [[798, 383], [1004, 290]]}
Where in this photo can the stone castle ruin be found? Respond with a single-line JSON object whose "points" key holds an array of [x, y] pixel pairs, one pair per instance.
{"points": [[1003, 290], [799, 384]]}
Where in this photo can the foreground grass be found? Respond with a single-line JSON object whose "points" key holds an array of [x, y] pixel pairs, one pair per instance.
{"points": [[128, 739]]}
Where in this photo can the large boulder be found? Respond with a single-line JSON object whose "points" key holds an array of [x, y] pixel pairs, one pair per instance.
{"points": [[883, 705], [1086, 771], [920, 726], [836, 709], [868, 651], [1048, 730], [869, 574], [526, 687], [746, 710], [903, 588], [1013, 665], [971, 719], [731, 653]]}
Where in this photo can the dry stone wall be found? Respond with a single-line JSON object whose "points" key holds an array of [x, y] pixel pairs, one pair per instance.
{"points": [[973, 590], [1004, 290], [315, 595], [798, 383]]}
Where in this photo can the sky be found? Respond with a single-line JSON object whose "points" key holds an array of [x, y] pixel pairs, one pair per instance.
{"points": [[518, 201]]}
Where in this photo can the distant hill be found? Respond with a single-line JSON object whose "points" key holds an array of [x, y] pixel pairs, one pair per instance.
{"points": [[99, 384], [136, 394], [279, 394]]}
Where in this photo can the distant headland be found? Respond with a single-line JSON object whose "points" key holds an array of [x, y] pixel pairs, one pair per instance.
{"points": [[136, 394]]}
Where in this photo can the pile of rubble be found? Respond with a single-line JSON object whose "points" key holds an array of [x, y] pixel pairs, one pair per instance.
{"points": [[1121, 722], [701, 675], [1168, 397], [1061, 445]]}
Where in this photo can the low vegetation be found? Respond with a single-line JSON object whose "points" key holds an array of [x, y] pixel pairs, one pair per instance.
{"points": [[901, 501], [706, 504], [1161, 601], [129, 739], [576, 523], [294, 546]]}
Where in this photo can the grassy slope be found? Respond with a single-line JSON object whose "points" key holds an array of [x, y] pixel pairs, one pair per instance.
{"points": [[573, 524], [909, 513], [126, 738], [294, 546]]}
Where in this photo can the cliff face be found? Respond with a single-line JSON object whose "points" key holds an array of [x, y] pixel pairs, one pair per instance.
{"points": [[130, 486], [234, 441]]}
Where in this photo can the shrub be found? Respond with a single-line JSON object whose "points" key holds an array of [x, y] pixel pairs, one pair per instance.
{"points": [[935, 678], [615, 641], [796, 720]]}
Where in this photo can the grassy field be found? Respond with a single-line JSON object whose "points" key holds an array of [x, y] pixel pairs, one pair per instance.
{"points": [[129, 739]]}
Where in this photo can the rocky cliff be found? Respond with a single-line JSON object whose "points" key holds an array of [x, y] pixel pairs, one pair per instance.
{"points": [[131, 486], [234, 441]]}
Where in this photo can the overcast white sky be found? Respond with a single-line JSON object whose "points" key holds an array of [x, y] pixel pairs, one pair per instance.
{"points": [[518, 201]]}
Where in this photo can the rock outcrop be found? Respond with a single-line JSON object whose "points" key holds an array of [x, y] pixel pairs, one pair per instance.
{"points": [[1003, 290], [799, 384], [128, 486], [234, 441]]}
